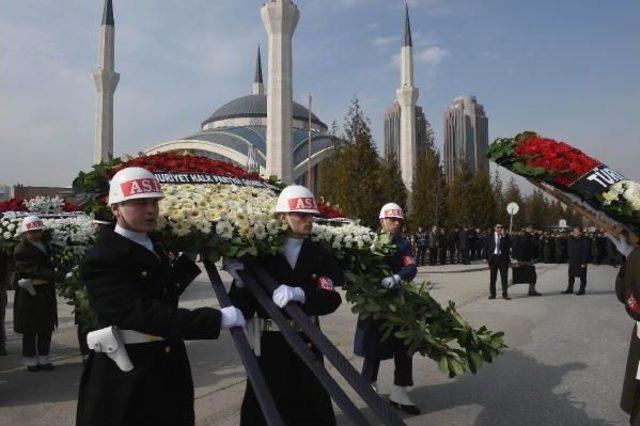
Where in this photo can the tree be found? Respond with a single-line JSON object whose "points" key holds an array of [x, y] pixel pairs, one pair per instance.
{"points": [[459, 197], [428, 186], [354, 182], [537, 211], [483, 201], [501, 203], [391, 185], [330, 177]]}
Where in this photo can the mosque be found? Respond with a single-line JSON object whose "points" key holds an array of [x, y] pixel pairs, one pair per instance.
{"points": [[264, 131]]}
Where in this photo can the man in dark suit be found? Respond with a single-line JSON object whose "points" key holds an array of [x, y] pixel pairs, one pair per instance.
{"points": [[578, 251], [497, 246]]}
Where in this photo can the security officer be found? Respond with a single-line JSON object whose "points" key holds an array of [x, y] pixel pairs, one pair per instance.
{"points": [[134, 286], [35, 306], [307, 275], [368, 339]]}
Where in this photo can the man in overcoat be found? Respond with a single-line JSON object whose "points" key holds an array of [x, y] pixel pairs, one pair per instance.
{"points": [[578, 254]]}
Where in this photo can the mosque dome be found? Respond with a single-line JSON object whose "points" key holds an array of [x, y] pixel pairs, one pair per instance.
{"points": [[255, 106]]}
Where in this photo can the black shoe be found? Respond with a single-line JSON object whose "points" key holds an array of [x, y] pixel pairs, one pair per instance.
{"points": [[33, 368], [535, 293], [47, 367], [409, 409], [493, 296], [506, 297], [568, 291], [580, 293]]}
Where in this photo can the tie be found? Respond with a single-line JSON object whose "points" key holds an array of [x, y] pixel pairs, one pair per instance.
{"points": [[498, 244]]}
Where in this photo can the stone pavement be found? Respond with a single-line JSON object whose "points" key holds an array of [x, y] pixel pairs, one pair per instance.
{"points": [[564, 365]]}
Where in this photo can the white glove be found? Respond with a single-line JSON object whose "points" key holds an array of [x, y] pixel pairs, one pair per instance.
{"points": [[232, 266], [69, 275], [621, 244], [27, 284], [232, 317], [285, 294], [392, 281]]}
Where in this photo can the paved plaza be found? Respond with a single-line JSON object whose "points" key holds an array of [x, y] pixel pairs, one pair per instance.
{"points": [[564, 365]]}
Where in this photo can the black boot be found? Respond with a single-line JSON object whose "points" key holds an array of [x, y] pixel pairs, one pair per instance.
{"points": [[569, 290]]}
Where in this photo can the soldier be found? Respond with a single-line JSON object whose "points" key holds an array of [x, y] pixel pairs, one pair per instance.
{"points": [[421, 242], [578, 257], [35, 306], [133, 286], [463, 245], [442, 245], [527, 255], [308, 276], [368, 340], [433, 245]]}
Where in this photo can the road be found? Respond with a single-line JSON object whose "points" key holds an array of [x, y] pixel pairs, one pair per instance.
{"points": [[564, 365]]}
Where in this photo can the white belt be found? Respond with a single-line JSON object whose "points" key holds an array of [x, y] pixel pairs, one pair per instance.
{"points": [[130, 337]]}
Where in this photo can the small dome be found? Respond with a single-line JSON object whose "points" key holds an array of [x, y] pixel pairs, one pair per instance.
{"points": [[256, 106]]}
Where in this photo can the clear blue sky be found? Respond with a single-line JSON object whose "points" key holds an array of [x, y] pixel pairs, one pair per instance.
{"points": [[569, 69]]}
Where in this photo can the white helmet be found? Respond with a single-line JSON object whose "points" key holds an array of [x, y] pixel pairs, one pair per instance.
{"points": [[32, 223], [296, 199], [133, 183], [391, 210]]}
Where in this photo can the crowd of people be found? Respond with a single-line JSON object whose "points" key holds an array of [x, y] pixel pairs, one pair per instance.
{"points": [[463, 244]]}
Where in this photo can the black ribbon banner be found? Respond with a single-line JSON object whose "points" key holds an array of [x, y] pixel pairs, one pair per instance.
{"points": [[595, 182]]}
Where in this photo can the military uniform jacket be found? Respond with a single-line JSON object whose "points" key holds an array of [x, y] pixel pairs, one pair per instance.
{"points": [[136, 289], [299, 396], [367, 342], [39, 313]]}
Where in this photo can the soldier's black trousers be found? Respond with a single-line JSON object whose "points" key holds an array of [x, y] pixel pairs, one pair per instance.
{"points": [[36, 344], [421, 253], [403, 374]]}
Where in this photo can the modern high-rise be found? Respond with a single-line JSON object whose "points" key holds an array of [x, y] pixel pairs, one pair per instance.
{"points": [[466, 136], [392, 130]]}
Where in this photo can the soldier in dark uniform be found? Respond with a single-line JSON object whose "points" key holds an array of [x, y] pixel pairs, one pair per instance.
{"points": [[421, 243], [452, 242], [134, 286], [578, 257], [463, 245], [35, 306], [433, 245], [368, 340], [308, 275], [442, 245]]}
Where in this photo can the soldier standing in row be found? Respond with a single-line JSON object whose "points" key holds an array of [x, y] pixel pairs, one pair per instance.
{"points": [[35, 306], [433, 245], [368, 340], [307, 275], [133, 285], [421, 243]]}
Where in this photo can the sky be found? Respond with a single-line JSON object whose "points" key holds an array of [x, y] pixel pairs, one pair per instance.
{"points": [[567, 69]]}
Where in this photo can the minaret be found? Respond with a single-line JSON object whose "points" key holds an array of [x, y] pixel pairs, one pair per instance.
{"points": [[280, 18], [106, 80], [407, 96], [258, 85]]}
